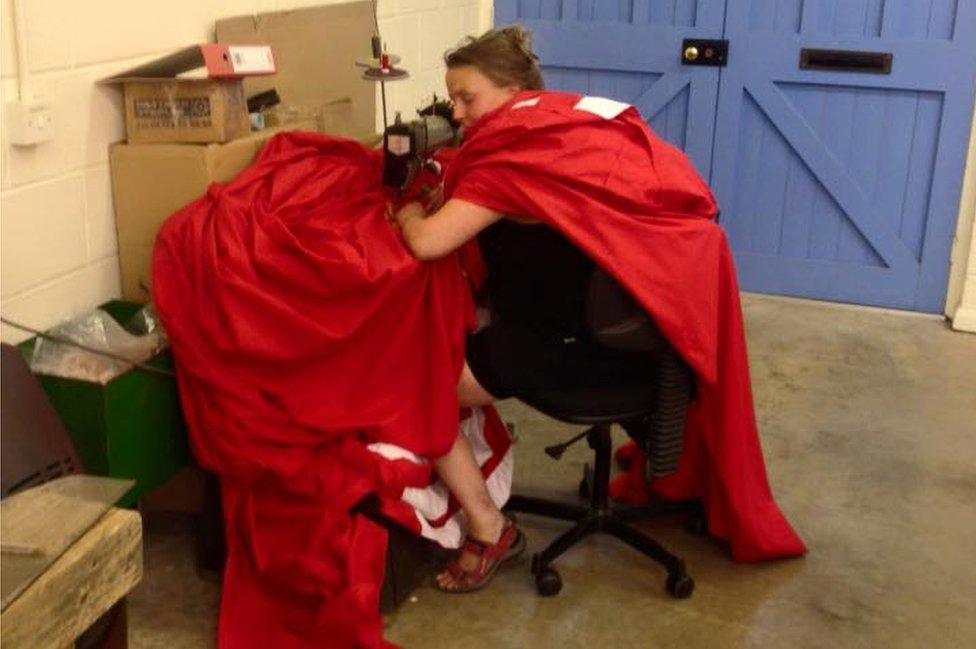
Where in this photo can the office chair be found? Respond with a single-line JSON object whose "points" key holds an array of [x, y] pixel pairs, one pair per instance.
{"points": [[652, 413]]}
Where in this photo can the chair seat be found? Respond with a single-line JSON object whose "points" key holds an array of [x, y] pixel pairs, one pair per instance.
{"points": [[594, 405]]}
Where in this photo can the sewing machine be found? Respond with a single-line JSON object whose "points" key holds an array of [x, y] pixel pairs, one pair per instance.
{"points": [[408, 146]]}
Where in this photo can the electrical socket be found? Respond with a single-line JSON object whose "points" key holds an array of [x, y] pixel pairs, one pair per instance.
{"points": [[29, 123]]}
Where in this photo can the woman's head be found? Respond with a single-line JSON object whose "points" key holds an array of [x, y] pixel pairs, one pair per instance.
{"points": [[487, 71]]}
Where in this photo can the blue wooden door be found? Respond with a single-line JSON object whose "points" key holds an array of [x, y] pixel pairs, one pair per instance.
{"points": [[845, 185], [629, 50], [833, 185]]}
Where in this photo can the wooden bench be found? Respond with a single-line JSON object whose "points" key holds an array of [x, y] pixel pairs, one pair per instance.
{"points": [[92, 576]]}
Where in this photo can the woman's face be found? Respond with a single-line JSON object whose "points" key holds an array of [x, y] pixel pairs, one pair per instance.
{"points": [[475, 95]]}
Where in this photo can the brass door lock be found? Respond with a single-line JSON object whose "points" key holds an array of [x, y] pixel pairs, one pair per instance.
{"points": [[699, 51]]}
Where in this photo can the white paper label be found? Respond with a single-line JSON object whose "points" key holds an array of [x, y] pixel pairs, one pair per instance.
{"points": [[251, 59], [605, 108], [398, 144], [526, 103]]}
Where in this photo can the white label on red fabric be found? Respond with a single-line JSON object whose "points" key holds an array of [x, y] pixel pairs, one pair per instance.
{"points": [[605, 108], [251, 59], [526, 103]]}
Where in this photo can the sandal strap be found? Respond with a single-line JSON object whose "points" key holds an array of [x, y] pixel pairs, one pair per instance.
{"points": [[474, 546], [490, 556], [493, 551], [459, 574]]}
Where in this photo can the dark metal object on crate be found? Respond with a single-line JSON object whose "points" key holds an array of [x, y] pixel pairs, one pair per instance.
{"points": [[36, 447], [263, 101]]}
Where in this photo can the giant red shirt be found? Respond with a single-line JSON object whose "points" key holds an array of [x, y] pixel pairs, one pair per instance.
{"points": [[593, 169]]}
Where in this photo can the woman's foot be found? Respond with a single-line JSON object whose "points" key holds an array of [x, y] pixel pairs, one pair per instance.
{"points": [[480, 557]]}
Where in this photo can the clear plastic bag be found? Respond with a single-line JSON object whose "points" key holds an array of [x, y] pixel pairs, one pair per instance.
{"points": [[144, 322], [97, 330]]}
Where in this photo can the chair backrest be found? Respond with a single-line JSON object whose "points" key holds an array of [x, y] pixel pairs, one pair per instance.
{"points": [[616, 320], [36, 447]]}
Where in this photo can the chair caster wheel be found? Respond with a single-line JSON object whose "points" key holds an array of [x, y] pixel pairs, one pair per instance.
{"points": [[584, 488], [680, 587], [548, 582]]}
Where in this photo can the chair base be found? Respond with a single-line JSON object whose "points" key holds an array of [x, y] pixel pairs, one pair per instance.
{"points": [[602, 517]]}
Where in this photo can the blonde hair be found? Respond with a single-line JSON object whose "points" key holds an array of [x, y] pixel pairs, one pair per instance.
{"points": [[505, 56]]}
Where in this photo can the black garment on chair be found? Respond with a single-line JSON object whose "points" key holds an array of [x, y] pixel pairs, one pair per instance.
{"points": [[538, 283], [651, 410]]}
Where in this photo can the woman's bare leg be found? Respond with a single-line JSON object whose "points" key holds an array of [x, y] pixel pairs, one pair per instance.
{"points": [[470, 392], [461, 474]]}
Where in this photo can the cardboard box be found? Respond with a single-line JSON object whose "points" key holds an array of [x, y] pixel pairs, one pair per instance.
{"points": [[161, 106], [185, 111], [152, 181], [316, 50], [315, 53]]}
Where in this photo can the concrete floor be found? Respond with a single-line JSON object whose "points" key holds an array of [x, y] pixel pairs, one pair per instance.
{"points": [[868, 423]]}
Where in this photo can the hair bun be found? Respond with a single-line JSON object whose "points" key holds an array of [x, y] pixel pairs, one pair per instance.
{"points": [[504, 55], [520, 38]]}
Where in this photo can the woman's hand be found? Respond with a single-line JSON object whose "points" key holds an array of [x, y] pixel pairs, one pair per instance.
{"points": [[434, 198], [408, 212]]}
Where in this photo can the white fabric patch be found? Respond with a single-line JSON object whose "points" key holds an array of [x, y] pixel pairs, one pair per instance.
{"points": [[605, 108], [430, 503], [451, 533], [526, 103], [474, 429]]}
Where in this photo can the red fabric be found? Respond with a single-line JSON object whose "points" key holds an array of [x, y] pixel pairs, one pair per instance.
{"points": [[302, 331], [636, 205]]}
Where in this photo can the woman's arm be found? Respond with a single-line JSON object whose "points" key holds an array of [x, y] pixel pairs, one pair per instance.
{"points": [[433, 236]]}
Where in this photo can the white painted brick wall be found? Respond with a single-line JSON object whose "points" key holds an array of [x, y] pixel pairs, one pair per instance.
{"points": [[961, 294], [965, 316], [8, 55], [44, 232], [58, 250], [420, 31]]}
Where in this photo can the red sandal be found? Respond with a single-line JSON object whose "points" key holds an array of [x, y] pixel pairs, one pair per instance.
{"points": [[510, 544]]}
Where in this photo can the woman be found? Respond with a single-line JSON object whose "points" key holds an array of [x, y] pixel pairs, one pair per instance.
{"points": [[547, 183], [535, 283]]}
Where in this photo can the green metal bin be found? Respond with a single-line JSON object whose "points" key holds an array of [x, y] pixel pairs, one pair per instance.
{"points": [[131, 427]]}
